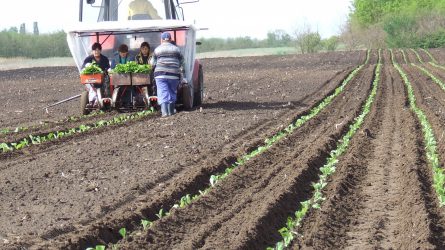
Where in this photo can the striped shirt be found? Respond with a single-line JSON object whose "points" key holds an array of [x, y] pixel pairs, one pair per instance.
{"points": [[168, 59]]}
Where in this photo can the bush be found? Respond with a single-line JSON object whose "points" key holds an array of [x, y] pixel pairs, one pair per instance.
{"points": [[331, 43]]}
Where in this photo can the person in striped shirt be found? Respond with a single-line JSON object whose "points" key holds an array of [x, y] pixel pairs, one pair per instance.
{"points": [[167, 60]]}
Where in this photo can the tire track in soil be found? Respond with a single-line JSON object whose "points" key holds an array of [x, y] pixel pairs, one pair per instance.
{"points": [[431, 99], [241, 213], [178, 182], [381, 195]]}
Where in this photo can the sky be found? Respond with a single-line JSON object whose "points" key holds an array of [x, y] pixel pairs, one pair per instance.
{"points": [[221, 18]]}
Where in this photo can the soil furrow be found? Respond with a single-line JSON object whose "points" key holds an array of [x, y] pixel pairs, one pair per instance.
{"points": [[425, 57], [83, 189], [431, 100], [411, 56], [240, 213], [398, 57], [382, 184]]}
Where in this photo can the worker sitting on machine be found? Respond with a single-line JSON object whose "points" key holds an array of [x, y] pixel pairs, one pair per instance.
{"points": [[142, 10], [103, 62]]}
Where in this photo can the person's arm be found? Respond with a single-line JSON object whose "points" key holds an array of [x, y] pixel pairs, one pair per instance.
{"points": [[104, 63], [113, 63], [153, 60], [86, 61]]}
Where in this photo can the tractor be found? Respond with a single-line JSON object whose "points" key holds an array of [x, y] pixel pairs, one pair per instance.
{"points": [[112, 23]]}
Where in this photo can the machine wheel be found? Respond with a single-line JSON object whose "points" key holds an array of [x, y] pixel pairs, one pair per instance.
{"points": [[83, 103], [106, 86], [197, 98], [187, 97]]}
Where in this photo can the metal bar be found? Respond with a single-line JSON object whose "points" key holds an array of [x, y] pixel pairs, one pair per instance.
{"points": [[65, 100]]}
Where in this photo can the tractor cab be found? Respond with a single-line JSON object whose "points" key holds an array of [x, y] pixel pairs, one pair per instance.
{"points": [[132, 22], [120, 10]]}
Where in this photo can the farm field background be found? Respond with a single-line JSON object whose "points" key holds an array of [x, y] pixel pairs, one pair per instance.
{"points": [[270, 123]]}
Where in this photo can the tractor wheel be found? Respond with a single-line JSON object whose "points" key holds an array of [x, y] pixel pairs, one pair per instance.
{"points": [[187, 97], [83, 103], [199, 94]]}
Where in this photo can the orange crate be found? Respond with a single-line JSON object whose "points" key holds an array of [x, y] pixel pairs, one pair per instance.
{"points": [[91, 79]]}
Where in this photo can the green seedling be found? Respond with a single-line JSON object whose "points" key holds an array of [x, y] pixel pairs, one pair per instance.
{"points": [[123, 232]]}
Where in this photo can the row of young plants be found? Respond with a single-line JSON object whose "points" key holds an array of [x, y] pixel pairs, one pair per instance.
{"points": [[429, 138], [433, 60], [404, 56], [68, 119], [417, 55], [187, 199], [52, 136], [433, 77], [288, 231]]}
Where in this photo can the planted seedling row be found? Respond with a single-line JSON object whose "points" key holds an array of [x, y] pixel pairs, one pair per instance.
{"points": [[417, 55], [433, 60], [429, 139], [43, 125], [288, 231], [55, 135], [188, 199], [433, 77]]}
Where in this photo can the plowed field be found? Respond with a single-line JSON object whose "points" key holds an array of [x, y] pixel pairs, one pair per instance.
{"points": [[79, 191]]}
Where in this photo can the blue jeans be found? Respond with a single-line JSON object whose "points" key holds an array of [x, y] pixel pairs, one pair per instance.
{"points": [[167, 90]]}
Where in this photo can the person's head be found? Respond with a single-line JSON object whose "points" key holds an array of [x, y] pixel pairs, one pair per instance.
{"points": [[145, 48], [123, 50], [166, 37], [97, 49]]}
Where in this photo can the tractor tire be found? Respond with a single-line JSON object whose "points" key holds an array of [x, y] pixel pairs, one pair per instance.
{"points": [[83, 103], [199, 94], [187, 97]]}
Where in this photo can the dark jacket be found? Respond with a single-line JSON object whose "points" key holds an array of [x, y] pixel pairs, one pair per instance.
{"points": [[103, 63], [141, 59]]}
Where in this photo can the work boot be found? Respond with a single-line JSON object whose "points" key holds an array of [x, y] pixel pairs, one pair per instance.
{"points": [[164, 109], [171, 109]]}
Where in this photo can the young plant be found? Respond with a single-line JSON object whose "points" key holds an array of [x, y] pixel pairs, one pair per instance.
{"points": [[98, 247], [146, 224], [93, 68], [123, 232]]}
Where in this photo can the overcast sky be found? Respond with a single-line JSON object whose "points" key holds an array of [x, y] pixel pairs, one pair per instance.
{"points": [[223, 18]]}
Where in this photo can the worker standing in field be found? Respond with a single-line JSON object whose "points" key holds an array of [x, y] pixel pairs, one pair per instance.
{"points": [[167, 60], [142, 10]]}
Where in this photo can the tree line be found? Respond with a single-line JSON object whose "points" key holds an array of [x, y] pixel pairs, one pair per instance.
{"points": [[371, 24], [396, 23], [20, 44], [17, 44]]}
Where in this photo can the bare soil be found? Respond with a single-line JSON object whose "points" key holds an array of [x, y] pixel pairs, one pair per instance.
{"points": [[78, 192]]}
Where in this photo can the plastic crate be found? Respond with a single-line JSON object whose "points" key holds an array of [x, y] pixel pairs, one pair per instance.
{"points": [[91, 79]]}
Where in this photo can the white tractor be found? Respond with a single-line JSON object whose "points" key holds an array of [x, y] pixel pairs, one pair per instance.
{"points": [[131, 22]]}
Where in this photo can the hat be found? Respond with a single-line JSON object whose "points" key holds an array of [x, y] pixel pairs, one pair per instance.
{"points": [[166, 36]]}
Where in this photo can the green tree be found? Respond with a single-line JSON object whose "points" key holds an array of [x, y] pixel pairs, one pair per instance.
{"points": [[331, 43]]}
